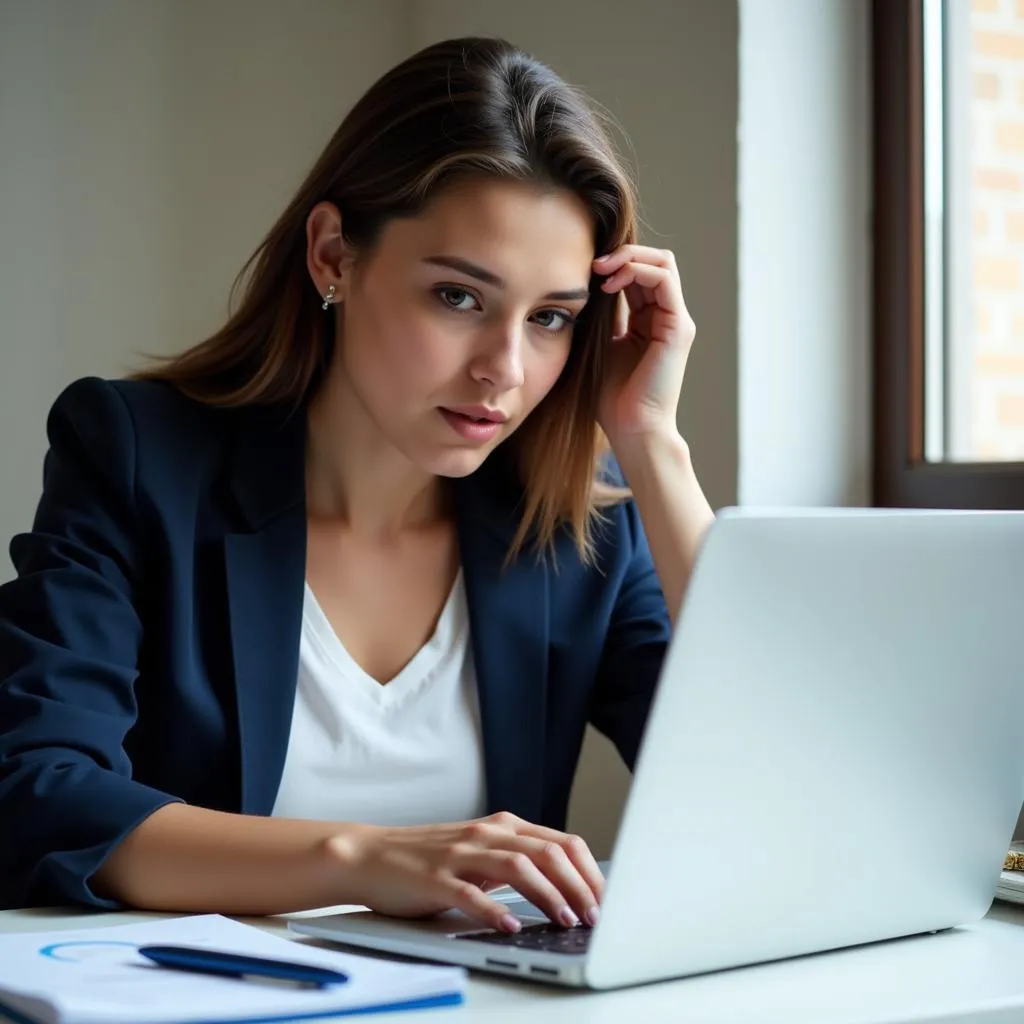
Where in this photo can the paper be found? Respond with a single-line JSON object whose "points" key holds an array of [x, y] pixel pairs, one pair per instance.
{"points": [[96, 976]]}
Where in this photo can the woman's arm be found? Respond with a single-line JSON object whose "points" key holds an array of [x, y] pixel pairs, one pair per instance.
{"points": [[184, 858], [672, 507], [70, 636]]}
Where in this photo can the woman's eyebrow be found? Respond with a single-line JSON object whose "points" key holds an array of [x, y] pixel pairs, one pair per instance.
{"points": [[492, 279]]}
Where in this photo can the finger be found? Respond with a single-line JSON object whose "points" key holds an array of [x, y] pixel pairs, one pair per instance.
{"points": [[576, 850], [636, 297], [483, 830], [611, 261], [518, 870], [457, 892], [553, 858], [658, 280], [621, 325]]}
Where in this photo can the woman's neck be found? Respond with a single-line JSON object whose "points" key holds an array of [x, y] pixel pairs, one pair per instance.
{"points": [[355, 475]]}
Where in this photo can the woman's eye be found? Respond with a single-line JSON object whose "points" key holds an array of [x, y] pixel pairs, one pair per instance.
{"points": [[457, 298], [554, 320]]}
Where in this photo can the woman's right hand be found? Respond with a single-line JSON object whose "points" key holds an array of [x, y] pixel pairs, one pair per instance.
{"points": [[421, 870]]}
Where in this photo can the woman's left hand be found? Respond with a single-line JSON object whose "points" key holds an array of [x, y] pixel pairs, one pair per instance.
{"points": [[652, 341]]}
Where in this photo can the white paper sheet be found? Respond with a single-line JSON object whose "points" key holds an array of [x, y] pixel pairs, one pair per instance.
{"points": [[96, 976]]}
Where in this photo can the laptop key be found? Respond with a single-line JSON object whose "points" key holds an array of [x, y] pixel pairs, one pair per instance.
{"points": [[545, 936]]}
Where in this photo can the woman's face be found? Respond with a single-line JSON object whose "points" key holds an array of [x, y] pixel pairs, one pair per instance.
{"points": [[460, 321]]}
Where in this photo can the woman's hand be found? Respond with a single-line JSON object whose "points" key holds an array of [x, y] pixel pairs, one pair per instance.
{"points": [[650, 347], [421, 870]]}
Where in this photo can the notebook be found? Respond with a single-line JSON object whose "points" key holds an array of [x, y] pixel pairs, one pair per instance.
{"points": [[96, 976]]}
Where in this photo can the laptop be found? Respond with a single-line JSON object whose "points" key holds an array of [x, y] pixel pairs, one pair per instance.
{"points": [[834, 756]]}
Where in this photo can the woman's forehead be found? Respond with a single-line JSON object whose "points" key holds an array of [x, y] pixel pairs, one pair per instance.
{"points": [[520, 234]]}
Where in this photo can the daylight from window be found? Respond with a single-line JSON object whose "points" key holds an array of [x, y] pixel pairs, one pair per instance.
{"points": [[974, 227]]}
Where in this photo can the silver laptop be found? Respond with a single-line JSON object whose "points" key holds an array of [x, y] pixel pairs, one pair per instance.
{"points": [[835, 755]]}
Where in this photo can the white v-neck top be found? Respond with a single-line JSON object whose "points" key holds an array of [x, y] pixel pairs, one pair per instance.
{"points": [[408, 752]]}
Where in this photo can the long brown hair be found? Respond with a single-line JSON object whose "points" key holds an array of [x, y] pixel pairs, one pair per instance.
{"points": [[465, 106]]}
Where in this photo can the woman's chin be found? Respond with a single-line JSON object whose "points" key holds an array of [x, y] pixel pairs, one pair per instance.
{"points": [[458, 463]]}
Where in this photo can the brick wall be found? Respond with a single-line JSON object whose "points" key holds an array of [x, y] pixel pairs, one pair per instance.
{"points": [[997, 211]]}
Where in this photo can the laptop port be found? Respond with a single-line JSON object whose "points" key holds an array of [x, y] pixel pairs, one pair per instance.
{"points": [[548, 972], [501, 963]]}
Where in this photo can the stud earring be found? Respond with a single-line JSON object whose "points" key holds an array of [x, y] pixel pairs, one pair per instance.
{"points": [[329, 297]]}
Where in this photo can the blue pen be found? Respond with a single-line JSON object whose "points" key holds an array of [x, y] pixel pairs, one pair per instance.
{"points": [[246, 968]]}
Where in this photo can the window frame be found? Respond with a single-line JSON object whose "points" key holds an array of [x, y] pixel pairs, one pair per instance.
{"points": [[902, 477]]}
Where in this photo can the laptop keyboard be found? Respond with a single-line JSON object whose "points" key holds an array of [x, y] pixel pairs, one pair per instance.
{"points": [[551, 938]]}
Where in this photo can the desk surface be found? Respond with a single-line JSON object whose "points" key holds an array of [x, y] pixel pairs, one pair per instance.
{"points": [[727, 996]]}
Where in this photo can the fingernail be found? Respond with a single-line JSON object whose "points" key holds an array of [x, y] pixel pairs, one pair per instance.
{"points": [[568, 918], [510, 923], [603, 259], [592, 916]]}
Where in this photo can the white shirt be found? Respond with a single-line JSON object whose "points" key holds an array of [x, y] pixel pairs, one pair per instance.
{"points": [[405, 753]]}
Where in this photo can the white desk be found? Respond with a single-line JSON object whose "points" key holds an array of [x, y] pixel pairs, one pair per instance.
{"points": [[701, 1000]]}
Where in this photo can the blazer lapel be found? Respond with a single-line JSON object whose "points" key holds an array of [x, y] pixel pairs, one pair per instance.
{"points": [[508, 612], [266, 571]]}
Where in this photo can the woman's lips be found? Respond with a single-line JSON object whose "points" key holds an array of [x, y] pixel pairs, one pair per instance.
{"points": [[478, 431]]}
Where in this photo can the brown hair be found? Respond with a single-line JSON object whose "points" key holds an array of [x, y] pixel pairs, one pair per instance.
{"points": [[465, 106]]}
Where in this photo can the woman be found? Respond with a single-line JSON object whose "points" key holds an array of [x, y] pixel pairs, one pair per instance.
{"points": [[359, 563]]}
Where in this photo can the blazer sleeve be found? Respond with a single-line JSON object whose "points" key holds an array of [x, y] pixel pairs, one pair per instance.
{"points": [[634, 647], [69, 644]]}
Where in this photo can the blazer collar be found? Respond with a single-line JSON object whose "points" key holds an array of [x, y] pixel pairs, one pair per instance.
{"points": [[267, 475], [266, 565]]}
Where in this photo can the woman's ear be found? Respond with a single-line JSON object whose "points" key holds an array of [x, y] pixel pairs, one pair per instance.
{"points": [[327, 257]]}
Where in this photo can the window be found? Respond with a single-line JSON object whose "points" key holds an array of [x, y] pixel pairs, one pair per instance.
{"points": [[949, 252]]}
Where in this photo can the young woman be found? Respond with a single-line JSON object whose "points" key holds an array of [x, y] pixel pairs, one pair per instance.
{"points": [[361, 562]]}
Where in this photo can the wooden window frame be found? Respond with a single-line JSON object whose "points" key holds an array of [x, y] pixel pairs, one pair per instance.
{"points": [[902, 477]]}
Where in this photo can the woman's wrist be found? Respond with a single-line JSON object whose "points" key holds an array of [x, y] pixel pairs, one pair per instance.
{"points": [[640, 455], [342, 858]]}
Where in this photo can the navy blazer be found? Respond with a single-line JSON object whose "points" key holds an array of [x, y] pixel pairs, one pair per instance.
{"points": [[149, 644]]}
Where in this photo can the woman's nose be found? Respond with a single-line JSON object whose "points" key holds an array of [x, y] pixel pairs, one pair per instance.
{"points": [[500, 361]]}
